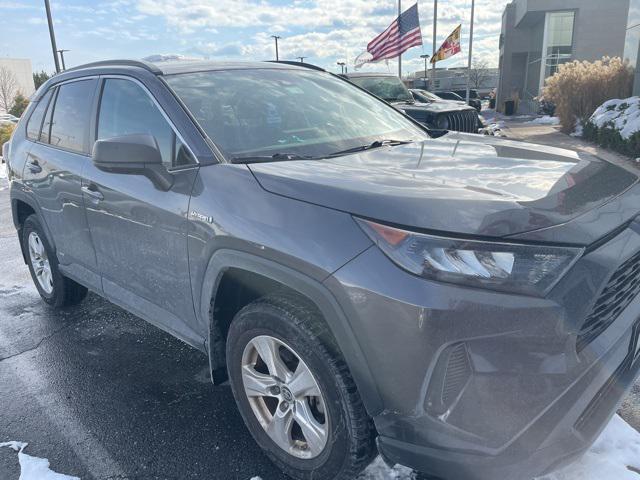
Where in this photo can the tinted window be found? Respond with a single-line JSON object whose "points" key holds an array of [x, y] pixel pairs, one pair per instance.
{"points": [[71, 115], [127, 109], [35, 122], [46, 126]]}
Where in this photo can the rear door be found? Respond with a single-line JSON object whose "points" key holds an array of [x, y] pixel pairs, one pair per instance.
{"points": [[139, 230], [59, 128]]}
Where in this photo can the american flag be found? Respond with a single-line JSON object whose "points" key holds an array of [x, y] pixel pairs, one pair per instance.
{"points": [[399, 37]]}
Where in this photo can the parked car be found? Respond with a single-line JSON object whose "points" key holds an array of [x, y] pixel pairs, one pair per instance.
{"points": [[465, 305], [443, 116], [425, 96], [461, 95], [8, 118]]}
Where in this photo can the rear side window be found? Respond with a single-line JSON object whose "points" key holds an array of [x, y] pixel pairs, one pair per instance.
{"points": [[127, 109], [35, 121], [71, 115]]}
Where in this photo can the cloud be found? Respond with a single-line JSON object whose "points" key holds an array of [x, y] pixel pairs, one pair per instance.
{"points": [[320, 29]]}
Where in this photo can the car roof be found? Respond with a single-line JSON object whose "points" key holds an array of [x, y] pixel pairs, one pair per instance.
{"points": [[172, 67], [370, 74]]}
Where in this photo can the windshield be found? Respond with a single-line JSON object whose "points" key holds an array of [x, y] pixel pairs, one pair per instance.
{"points": [[390, 89], [295, 112], [426, 96]]}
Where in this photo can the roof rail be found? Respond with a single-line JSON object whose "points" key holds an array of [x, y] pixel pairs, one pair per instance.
{"points": [[298, 64], [122, 62]]}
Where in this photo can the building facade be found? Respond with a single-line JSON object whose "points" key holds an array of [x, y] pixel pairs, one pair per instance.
{"points": [[539, 35], [22, 73], [632, 42], [454, 78]]}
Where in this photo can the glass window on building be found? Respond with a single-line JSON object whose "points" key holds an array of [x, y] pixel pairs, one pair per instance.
{"points": [[559, 40], [632, 41]]}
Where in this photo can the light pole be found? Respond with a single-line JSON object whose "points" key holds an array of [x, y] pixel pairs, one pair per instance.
{"points": [[302, 59], [52, 35], [276, 38], [342, 64], [61, 52], [426, 57], [473, 9]]}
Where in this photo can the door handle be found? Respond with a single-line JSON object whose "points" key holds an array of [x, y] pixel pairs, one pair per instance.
{"points": [[34, 166], [94, 194]]}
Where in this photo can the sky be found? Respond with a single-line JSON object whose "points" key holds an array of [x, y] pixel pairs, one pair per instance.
{"points": [[324, 31]]}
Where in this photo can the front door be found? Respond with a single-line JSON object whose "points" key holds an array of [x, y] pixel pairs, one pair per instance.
{"points": [[139, 230]]}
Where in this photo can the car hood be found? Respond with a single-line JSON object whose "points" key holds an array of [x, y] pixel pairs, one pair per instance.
{"points": [[435, 107], [458, 183]]}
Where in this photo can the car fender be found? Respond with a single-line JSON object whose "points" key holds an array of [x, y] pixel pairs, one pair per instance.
{"points": [[336, 320]]}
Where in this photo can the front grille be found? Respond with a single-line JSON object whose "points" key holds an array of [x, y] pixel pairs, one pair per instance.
{"points": [[465, 121], [622, 288]]}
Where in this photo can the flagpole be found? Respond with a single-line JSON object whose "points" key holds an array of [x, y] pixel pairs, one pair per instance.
{"points": [[435, 38], [473, 6], [399, 56]]}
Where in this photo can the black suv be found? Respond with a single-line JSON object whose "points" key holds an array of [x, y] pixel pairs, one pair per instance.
{"points": [[443, 116]]}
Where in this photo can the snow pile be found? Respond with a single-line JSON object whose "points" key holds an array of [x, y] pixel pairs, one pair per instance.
{"points": [[621, 115], [3, 170], [545, 120], [34, 468], [379, 470]]}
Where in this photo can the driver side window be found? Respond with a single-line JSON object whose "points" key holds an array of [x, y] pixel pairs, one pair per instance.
{"points": [[127, 109]]}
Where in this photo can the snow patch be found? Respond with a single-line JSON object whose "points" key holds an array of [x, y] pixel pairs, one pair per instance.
{"points": [[544, 120], [34, 468], [3, 170], [579, 130], [622, 115], [379, 470]]}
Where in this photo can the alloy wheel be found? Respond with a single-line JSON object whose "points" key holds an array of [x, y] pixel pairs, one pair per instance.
{"points": [[40, 263], [285, 397]]}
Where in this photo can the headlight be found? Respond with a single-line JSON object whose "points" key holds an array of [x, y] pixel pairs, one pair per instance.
{"points": [[507, 267], [443, 123]]}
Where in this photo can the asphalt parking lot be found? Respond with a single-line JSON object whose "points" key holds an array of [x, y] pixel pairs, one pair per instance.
{"points": [[103, 395]]}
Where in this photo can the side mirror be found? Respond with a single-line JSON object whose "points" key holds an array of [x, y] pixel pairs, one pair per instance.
{"points": [[133, 154]]}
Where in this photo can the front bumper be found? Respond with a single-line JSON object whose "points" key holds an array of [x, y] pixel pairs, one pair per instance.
{"points": [[483, 385]]}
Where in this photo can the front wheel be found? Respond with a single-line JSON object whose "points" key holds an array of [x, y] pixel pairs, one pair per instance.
{"points": [[295, 393]]}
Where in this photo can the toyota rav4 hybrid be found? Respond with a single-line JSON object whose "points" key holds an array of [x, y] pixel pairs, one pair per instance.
{"points": [[464, 305]]}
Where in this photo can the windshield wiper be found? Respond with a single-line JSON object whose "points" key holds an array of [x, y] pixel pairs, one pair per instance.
{"points": [[276, 157], [376, 144]]}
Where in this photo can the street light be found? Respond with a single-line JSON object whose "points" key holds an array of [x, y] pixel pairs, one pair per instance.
{"points": [[342, 64], [276, 38], [52, 35], [426, 57], [61, 52]]}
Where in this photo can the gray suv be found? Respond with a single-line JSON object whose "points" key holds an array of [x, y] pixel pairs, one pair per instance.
{"points": [[465, 305]]}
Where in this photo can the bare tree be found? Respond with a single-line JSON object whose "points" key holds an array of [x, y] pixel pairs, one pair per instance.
{"points": [[479, 73], [8, 88]]}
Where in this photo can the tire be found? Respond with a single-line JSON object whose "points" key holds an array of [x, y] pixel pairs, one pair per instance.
{"points": [[55, 289], [296, 328]]}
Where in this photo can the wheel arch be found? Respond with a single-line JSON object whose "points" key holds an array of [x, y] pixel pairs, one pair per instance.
{"points": [[229, 264], [21, 207]]}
